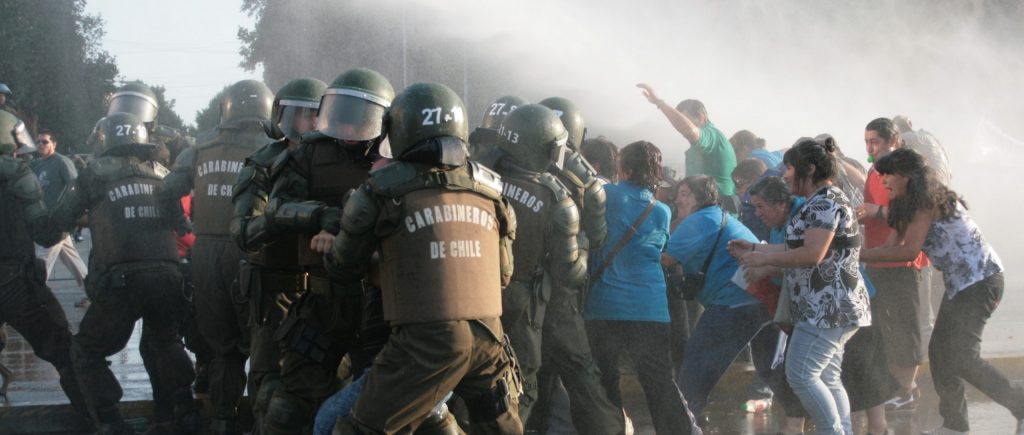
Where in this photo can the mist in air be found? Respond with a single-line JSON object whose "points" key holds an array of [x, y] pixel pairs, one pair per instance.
{"points": [[782, 69]]}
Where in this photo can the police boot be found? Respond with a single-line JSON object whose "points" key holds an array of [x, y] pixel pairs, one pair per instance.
{"points": [[440, 423], [287, 414]]}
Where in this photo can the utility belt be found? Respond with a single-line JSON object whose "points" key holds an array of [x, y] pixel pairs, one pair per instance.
{"points": [[116, 276]]}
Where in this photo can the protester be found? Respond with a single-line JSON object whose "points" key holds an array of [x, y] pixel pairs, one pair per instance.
{"points": [[627, 312], [929, 217], [746, 173], [828, 299], [748, 145], [603, 155]]}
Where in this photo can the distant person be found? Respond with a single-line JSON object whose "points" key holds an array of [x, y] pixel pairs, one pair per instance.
{"points": [[603, 155], [710, 153], [747, 145], [56, 174], [747, 172], [929, 217]]}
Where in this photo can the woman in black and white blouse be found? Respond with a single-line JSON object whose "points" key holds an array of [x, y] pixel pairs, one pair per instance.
{"points": [[929, 217]]}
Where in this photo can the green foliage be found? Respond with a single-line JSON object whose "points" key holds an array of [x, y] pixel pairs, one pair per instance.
{"points": [[209, 117], [52, 60]]}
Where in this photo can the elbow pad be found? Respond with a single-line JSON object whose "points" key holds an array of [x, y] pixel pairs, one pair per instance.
{"points": [[295, 216]]}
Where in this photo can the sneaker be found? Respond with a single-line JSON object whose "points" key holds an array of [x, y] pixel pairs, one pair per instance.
{"points": [[757, 406], [942, 430], [904, 401]]}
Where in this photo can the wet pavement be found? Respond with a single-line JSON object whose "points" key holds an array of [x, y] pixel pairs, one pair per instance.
{"points": [[37, 403]]}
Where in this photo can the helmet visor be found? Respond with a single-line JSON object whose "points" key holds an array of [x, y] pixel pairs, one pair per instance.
{"points": [[558, 151], [351, 115], [23, 139], [141, 105], [294, 120]]}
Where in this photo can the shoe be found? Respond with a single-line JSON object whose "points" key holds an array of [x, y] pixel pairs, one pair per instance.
{"points": [[757, 406], [904, 401], [942, 430], [82, 303]]}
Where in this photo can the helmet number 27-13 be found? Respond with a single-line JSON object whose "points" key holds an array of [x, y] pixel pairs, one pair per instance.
{"points": [[433, 116]]}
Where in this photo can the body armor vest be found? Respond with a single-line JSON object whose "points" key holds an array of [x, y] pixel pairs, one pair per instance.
{"points": [[441, 262], [216, 169], [533, 203], [331, 171], [279, 253], [124, 216], [17, 244]]}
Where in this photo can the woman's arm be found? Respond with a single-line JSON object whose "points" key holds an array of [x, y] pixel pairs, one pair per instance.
{"points": [[905, 248], [816, 243]]}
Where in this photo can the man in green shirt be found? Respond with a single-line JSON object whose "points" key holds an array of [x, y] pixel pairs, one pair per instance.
{"points": [[710, 153]]}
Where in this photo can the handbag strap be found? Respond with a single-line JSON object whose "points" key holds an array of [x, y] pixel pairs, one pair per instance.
{"points": [[622, 241], [707, 261]]}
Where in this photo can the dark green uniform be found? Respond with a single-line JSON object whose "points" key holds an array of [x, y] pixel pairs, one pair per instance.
{"points": [[209, 171], [271, 278], [26, 303], [133, 273], [445, 231]]}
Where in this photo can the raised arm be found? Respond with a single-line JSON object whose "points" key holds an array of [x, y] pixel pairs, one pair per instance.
{"points": [[682, 123]]}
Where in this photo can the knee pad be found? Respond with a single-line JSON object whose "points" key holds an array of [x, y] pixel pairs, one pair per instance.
{"points": [[287, 414]]}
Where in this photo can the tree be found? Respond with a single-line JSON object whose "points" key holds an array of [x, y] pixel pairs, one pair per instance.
{"points": [[209, 117], [53, 63]]}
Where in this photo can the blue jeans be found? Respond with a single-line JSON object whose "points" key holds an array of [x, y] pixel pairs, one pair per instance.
{"points": [[813, 367], [342, 402], [721, 334]]}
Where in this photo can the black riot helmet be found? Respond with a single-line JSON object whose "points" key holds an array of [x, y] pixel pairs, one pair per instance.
{"points": [[353, 106], [247, 101], [486, 135], [6, 90], [120, 133], [14, 137], [430, 118], [297, 100], [571, 118], [135, 98], [534, 136]]}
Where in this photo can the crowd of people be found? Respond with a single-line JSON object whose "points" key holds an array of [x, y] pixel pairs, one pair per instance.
{"points": [[381, 269]]}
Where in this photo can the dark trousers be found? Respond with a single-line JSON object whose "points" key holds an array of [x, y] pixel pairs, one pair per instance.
{"points": [[153, 293], [955, 354], [647, 343], [28, 305], [222, 315], [523, 310], [566, 355], [270, 294]]}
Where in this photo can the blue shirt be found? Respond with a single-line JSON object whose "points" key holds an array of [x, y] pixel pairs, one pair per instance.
{"points": [[771, 159], [690, 245], [633, 286]]}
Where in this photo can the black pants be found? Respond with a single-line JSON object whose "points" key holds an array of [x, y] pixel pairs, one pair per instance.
{"points": [[223, 318], [28, 305], [647, 343], [155, 295], [955, 354]]}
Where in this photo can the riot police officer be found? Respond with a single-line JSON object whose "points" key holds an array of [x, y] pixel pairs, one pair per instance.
{"points": [[133, 273], [566, 352], [548, 260], [209, 170], [306, 201], [445, 236], [272, 275], [28, 304], [139, 99], [484, 139]]}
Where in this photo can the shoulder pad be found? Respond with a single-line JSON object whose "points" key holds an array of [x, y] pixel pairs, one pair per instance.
{"points": [[488, 181], [281, 162], [551, 182], [9, 167], [187, 159], [159, 170], [267, 154], [393, 179], [580, 167], [104, 168], [360, 212], [25, 186]]}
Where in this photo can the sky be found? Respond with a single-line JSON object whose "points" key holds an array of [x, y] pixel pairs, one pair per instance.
{"points": [[188, 46]]}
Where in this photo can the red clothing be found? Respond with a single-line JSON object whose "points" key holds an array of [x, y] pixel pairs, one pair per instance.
{"points": [[185, 243], [876, 231]]}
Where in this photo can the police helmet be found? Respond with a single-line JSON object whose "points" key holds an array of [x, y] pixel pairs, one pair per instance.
{"points": [[14, 137], [245, 101], [119, 131], [422, 112], [297, 100], [571, 118], [534, 136], [135, 98], [352, 108]]}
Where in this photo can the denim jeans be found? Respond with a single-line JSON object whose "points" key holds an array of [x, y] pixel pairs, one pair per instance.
{"points": [[954, 352], [813, 368], [721, 334], [342, 402]]}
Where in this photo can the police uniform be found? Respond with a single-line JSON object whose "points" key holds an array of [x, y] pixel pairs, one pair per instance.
{"points": [[133, 273], [209, 171], [26, 303], [444, 231]]}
